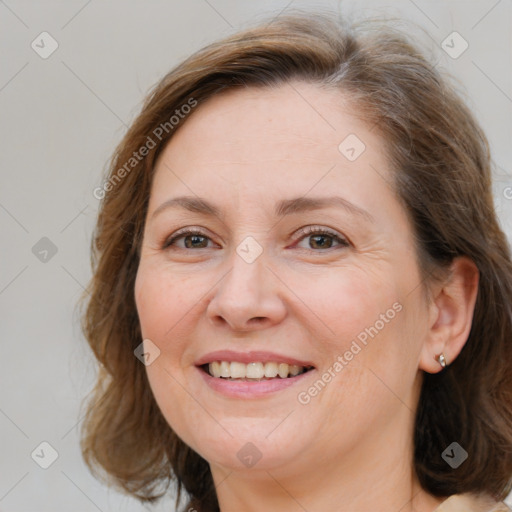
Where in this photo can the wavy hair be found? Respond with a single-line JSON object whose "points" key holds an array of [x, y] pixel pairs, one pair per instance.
{"points": [[442, 177]]}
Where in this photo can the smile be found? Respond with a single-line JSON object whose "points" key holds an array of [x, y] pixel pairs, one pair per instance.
{"points": [[253, 371], [252, 374]]}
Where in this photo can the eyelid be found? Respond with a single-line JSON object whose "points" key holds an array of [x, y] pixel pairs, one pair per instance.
{"points": [[308, 230], [183, 232], [318, 229]]}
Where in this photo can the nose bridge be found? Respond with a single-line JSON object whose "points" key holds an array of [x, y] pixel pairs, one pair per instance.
{"points": [[248, 291], [246, 281]]}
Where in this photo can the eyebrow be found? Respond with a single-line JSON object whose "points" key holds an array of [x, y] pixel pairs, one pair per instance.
{"points": [[284, 207]]}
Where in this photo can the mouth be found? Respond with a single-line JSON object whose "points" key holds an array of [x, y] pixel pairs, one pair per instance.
{"points": [[252, 374], [253, 371]]}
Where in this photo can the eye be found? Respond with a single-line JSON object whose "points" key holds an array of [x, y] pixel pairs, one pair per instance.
{"points": [[192, 238], [322, 238]]}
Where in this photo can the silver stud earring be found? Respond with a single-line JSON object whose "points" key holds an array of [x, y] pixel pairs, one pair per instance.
{"points": [[442, 360]]}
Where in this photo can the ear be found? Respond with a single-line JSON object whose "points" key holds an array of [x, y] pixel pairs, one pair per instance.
{"points": [[450, 315]]}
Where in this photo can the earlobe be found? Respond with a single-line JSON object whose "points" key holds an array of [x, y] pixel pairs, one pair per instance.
{"points": [[451, 316], [442, 360]]}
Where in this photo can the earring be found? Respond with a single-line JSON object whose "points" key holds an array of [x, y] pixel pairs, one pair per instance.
{"points": [[442, 360]]}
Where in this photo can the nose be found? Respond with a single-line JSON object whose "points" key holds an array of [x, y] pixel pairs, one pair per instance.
{"points": [[247, 298]]}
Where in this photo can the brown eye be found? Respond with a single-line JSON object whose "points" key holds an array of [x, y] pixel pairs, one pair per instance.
{"points": [[322, 239], [193, 239]]}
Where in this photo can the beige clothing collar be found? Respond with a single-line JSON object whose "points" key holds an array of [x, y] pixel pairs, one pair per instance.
{"points": [[471, 503]]}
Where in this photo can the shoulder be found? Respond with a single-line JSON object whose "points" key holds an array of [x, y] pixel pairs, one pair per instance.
{"points": [[472, 503]]}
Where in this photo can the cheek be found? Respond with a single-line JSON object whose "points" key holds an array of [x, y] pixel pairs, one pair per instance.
{"points": [[370, 320], [347, 303], [165, 305], [163, 299]]}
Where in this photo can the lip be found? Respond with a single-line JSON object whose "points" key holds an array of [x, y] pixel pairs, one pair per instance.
{"points": [[247, 389], [255, 356]]}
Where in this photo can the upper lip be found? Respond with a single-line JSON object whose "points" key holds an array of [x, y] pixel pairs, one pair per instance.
{"points": [[254, 356]]}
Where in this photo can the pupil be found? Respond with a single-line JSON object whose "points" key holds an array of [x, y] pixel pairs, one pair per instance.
{"points": [[191, 240], [316, 237]]}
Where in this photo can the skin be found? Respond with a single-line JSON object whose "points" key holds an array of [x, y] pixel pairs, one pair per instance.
{"points": [[350, 448]]}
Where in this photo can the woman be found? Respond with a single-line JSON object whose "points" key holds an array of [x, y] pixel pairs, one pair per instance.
{"points": [[302, 296]]}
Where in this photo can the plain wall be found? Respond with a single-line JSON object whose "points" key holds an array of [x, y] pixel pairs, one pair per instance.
{"points": [[61, 118]]}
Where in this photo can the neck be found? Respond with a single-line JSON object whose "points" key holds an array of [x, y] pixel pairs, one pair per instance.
{"points": [[325, 490], [375, 474]]}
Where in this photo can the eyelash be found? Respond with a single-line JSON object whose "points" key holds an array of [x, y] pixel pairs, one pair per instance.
{"points": [[304, 233]]}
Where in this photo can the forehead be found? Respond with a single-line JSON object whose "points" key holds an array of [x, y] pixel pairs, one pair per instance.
{"points": [[283, 140], [291, 113]]}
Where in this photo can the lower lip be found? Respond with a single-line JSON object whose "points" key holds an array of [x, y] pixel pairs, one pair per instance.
{"points": [[247, 389]]}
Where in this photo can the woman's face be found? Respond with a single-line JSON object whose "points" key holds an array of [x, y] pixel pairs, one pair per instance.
{"points": [[301, 254]]}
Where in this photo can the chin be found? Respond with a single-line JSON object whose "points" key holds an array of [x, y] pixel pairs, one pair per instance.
{"points": [[251, 448]]}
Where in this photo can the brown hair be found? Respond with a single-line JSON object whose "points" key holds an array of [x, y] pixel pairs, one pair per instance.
{"points": [[443, 178]]}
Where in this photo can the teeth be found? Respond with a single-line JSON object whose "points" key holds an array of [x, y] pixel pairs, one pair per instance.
{"points": [[215, 368], [224, 370], [271, 370], [294, 370], [256, 370], [238, 370], [283, 370]]}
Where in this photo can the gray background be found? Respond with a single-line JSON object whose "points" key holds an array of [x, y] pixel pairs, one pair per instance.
{"points": [[60, 120]]}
